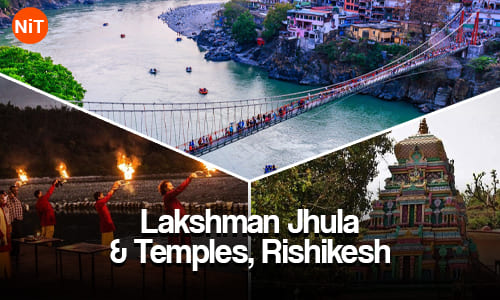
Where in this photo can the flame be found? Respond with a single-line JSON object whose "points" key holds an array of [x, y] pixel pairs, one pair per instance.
{"points": [[63, 172], [126, 166], [23, 177], [209, 168]]}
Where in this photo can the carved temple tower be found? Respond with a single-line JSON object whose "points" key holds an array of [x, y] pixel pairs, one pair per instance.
{"points": [[421, 215]]}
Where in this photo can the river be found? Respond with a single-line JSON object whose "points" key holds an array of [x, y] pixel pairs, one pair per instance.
{"points": [[116, 69]]}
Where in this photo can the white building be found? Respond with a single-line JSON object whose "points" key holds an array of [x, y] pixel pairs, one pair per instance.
{"points": [[311, 26]]}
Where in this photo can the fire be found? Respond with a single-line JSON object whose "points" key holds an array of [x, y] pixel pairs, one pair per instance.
{"points": [[210, 168], [23, 177], [63, 172], [126, 166]]}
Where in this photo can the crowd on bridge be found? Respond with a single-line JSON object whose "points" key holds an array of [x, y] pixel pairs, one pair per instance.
{"points": [[299, 105], [257, 122]]}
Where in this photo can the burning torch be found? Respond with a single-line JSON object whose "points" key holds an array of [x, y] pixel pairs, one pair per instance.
{"points": [[63, 173], [209, 169], [126, 166], [23, 177]]}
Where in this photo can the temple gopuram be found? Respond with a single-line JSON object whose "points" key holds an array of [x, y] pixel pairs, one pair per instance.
{"points": [[421, 215]]}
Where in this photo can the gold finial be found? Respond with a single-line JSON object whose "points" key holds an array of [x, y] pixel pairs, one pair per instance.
{"points": [[423, 129]]}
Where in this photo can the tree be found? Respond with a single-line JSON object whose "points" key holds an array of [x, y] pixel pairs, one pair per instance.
{"points": [[364, 54], [426, 13], [483, 193], [482, 63], [244, 29], [4, 4], [335, 181], [232, 10], [40, 72], [338, 180], [274, 20]]}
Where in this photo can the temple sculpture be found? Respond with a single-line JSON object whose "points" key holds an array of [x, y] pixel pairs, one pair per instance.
{"points": [[421, 215]]}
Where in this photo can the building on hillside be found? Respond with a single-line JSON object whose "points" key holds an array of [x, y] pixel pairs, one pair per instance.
{"points": [[378, 10], [263, 4], [253, 4], [420, 215], [312, 26], [485, 4], [487, 17], [380, 32], [339, 3]]}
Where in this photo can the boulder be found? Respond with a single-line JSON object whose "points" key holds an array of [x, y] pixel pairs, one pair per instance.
{"points": [[442, 96], [218, 55], [460, 90]]}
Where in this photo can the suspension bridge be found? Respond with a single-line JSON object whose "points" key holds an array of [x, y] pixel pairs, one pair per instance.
{"points": [[201, 127]]}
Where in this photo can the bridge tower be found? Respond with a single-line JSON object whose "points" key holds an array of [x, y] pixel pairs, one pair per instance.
{"points": [[460, 33], [473, 40]]}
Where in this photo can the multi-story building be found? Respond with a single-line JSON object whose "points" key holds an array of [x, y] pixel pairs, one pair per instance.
{"points": [[379, 32], [312, 26], [351, 6], [377, 10], [486, 4]]}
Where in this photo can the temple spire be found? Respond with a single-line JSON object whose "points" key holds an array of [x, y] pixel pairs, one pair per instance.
{"points": [[423, 129]]}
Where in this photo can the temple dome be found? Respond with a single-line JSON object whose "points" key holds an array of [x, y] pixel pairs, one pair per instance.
{"points": [[427, 144]]}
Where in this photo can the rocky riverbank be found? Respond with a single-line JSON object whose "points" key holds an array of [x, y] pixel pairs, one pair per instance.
{"points": [[8, 13], [432, 87], [190, 20]]}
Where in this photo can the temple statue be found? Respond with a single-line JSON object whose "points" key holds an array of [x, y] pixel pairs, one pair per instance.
{"points": [[423, 129]]}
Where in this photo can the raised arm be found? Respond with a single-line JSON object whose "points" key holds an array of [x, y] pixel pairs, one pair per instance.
{"points": [[115, 186], [45, 198], [175, 192]]}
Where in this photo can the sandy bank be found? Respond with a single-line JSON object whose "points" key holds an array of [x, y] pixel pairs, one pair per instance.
{"points": [[191, 19]]}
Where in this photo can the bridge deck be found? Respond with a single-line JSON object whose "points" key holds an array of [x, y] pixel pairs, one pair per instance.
{"points": [[316, 101]]}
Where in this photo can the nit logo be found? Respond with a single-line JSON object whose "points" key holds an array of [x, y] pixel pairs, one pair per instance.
{"points": [[30, 25]]}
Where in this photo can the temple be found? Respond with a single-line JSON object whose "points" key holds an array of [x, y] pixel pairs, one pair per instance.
{"points": [[421, 215]]}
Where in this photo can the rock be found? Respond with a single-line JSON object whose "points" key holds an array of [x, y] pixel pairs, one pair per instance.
{"points": [[313, 79], [424, 108], [218, 55], [455, 70], [420, 94], [286, 74], [5, 20], [442, 95], [454, 74], [391, 91], [460, 91]]}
